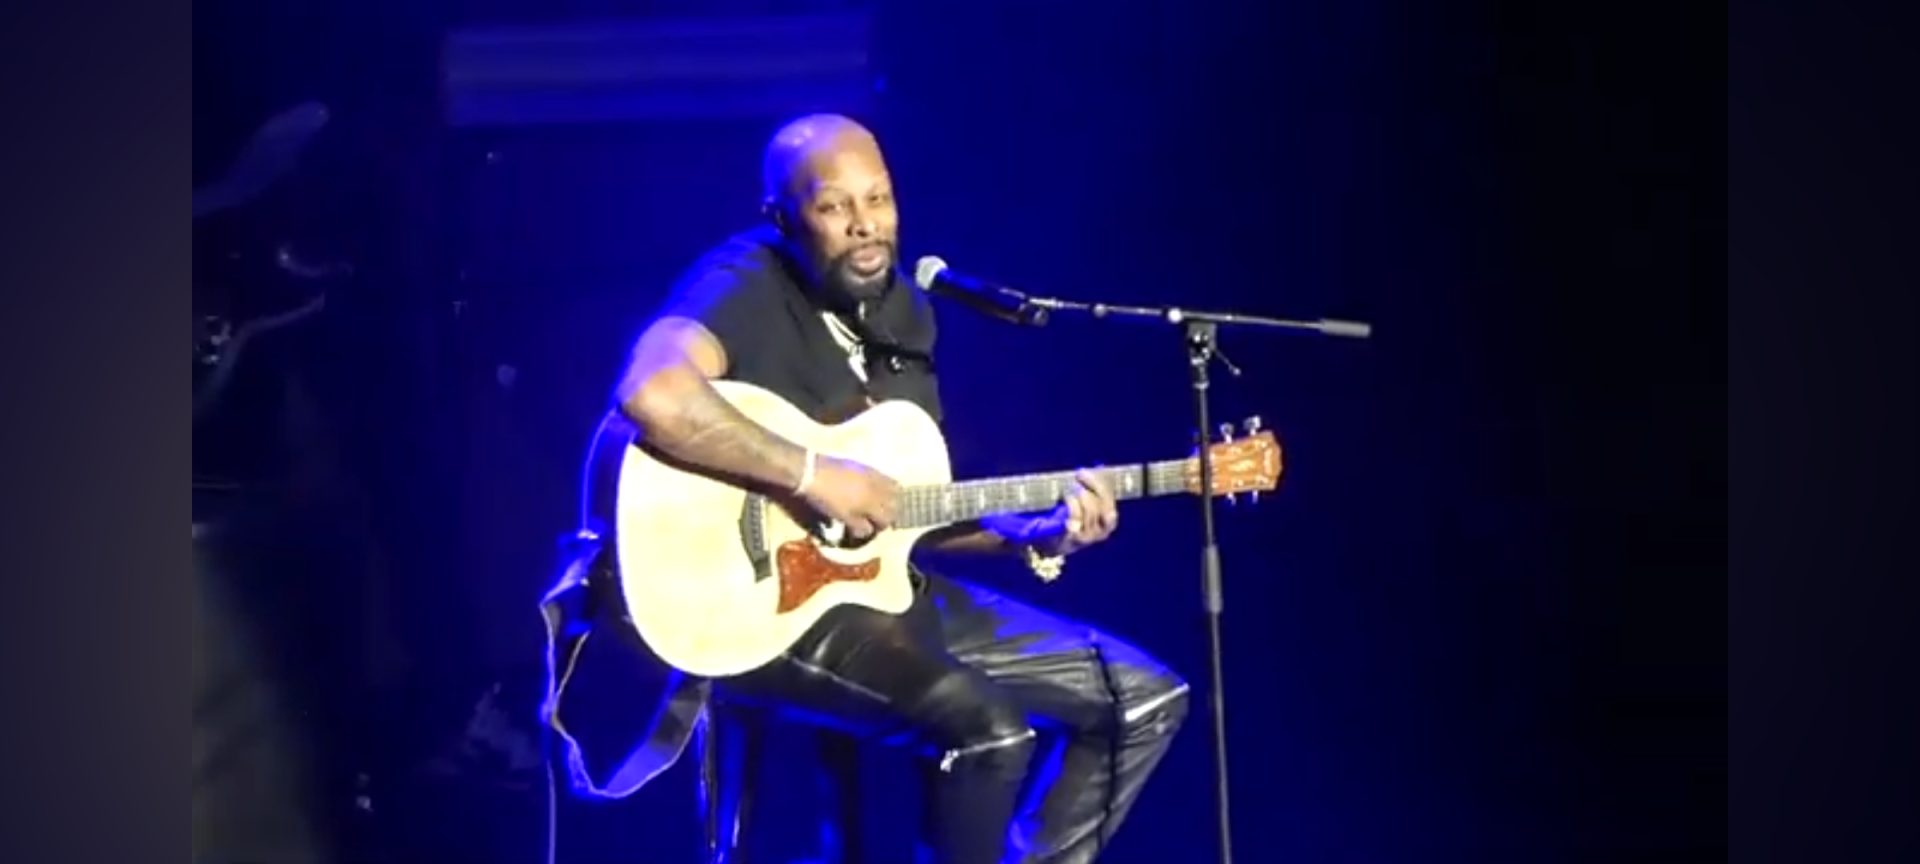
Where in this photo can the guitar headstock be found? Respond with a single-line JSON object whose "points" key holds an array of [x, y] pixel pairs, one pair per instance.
{"points": [[1251, 464]]}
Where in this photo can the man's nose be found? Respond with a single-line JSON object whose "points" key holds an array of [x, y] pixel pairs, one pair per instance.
{"points": [[862, 225]]}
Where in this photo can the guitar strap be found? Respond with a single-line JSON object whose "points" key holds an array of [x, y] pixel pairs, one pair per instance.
{"points": [[569, 610]]}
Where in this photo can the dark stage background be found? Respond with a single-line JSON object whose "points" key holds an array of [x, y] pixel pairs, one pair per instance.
{"points": [[1481, 621]]}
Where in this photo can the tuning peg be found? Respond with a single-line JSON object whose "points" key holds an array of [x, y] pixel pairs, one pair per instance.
{"points": [[1252, 425], [1226, 431], [1233, 498], [1253, 497]]}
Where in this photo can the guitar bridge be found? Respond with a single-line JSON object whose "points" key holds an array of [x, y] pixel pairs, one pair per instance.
{"points": [[753, 536]]}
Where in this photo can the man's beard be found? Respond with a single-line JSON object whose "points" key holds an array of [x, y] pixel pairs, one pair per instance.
{"points": [[841, 280]]}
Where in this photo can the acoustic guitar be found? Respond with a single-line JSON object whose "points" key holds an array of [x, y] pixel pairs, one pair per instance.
{"points": [[719, 579]]}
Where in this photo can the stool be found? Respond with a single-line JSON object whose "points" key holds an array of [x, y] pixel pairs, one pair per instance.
{"points": [[731, 738]]}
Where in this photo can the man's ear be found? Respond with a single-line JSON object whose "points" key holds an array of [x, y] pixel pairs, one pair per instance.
{"points": [[770, 209]]}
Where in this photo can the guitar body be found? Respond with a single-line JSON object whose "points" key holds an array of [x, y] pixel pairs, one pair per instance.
{"points": [[720, 580]]}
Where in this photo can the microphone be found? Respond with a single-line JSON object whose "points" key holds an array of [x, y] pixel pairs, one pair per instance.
{"points": [[994, 301], [1348, 329]]}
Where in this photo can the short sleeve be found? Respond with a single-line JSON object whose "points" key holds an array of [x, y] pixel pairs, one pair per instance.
{"points": [[733, 300]]}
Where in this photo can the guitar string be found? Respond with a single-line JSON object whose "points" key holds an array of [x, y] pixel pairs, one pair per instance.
{"points": [[958, 501]]}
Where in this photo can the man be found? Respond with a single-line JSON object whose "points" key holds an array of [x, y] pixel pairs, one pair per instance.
{"points": [[809, 306]]}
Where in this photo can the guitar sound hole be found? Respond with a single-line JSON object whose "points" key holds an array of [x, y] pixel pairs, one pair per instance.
{"points": [[825, 532], [833, 535]]}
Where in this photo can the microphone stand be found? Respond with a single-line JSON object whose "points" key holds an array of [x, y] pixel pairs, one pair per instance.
{"points": [[1200, 332]]}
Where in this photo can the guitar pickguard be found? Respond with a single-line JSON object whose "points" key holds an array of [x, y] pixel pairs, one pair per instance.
{"points": [[804, 571]]}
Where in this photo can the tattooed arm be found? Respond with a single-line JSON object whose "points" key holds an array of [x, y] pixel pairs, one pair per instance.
{"points": [[666, 393]]}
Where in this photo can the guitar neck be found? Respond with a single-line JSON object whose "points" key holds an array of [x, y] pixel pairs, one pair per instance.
{"points": [[949, 503]]}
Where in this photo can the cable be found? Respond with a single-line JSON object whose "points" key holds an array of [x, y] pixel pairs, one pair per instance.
{"points": [[546, 731]]}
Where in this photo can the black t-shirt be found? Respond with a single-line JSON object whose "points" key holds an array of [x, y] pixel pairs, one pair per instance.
{"points": [[752, 299]]}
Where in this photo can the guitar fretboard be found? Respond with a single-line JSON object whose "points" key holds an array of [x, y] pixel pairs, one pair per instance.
{"points": [[948, 503]]}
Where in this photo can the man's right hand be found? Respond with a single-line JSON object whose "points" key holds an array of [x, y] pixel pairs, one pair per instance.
{"points": [[852, 494]]}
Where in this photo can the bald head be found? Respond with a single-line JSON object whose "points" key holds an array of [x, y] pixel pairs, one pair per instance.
{"points": [[807, 147], [827, 186]]}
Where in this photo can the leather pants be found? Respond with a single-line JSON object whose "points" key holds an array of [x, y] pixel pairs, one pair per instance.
{"points": [[995, 693]]}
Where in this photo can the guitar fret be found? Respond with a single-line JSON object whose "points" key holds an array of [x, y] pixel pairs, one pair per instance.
{"points": [[958, 502]]}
